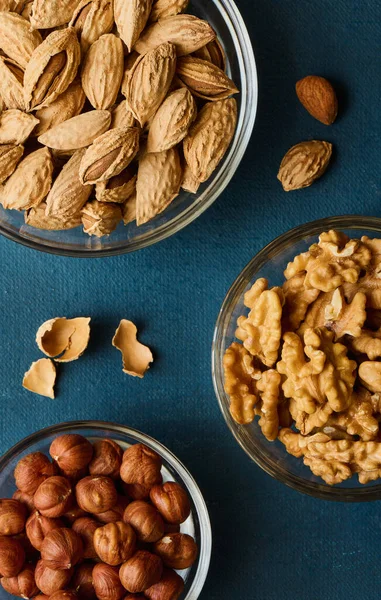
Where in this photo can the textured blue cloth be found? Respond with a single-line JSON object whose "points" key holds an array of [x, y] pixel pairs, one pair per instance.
{"points": [[269, 541]]}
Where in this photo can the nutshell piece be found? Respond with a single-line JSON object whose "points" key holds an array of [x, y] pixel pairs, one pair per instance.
{"points": [[240, 375], [41, 378], [136, 357], [203, 79], [16, 126], [100, 218], [65, 339], [318, 98], [269, 388], [303, 164]]}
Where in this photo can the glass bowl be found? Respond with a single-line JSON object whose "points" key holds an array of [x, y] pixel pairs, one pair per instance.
{"points": [[197, 525], [225, 18], [270, 262]]}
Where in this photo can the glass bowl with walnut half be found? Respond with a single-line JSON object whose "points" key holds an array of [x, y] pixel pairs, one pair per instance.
{"points": [[298, 377], [79, 522], [162, 212]]}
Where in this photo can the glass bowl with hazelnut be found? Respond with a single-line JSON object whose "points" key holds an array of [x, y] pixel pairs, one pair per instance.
{"points": [[305, 357], [94, 509]]}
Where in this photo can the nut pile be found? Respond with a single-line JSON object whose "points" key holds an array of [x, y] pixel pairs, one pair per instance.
{"points": [[107, 109], [310, 360], [94, 523]]}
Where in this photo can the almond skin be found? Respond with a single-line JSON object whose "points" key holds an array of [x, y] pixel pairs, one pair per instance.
{"points": [[318, 98]]}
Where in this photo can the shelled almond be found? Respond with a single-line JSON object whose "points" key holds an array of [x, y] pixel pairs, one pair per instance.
{"points": [[95, 90]]}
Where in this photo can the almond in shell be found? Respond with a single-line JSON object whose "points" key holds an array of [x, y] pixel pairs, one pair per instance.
{"points": [[303, 164], [67, 105], [11, 6], [36, 217], [186, 32], [68, 196], [131, 17], [109, 155], [10, 156], [117, 189], [91, 19], [149, 81], [100, 218], [129, 209], [29, 185], [204, 79], [103, 70], [121, 116], [17, 40], [52, 68], [11, 83], [213, 53], [16, 126], [47, 14], [158, 183], [318, 98], [209, 137], [162, 9], [77, 132], [171, 123]]}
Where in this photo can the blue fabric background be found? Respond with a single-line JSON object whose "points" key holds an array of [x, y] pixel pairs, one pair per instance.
{"points": [[269, 541]]}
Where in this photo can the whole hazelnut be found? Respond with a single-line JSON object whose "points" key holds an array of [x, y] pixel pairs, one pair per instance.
{"points": [[140, 465], [96, 494], [172, 502], [62, 549], [74, 513], [107, 459], [23, 584], [12, 556], [176, 550], [82, 582], [136, 491], [74, 476], [145, 519], [32, 470], [31, 554], [50, 580], [115, 513], [106, 583], [12, 517], [86, 527], [37, 526], [170, 587], [25, 499], [64, 595], [71, 451], [115, 543], [141, 571], [53, 497]]}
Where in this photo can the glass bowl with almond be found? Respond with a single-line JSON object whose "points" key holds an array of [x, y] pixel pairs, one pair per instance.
{"points": [[99, 510], [297, 358], [120, 122]]}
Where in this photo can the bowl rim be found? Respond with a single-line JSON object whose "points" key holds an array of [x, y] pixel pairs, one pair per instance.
{"points": [[281, 242], [205, 549], [249, 96]]}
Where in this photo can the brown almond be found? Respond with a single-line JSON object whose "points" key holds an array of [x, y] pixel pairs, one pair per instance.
{"points": [[17, 40], [68, 195], [162, 9], [171, 123], [204, 79], [30, 183], [131, 17], [318, 98], [103, 70], [52, 13], [77, 132], [10, 156], [91, 19], [303, 164]]}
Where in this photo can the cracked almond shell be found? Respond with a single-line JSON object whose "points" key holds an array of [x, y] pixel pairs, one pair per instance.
{"points": [[64, 339], [204, 80], [17, 40], [41, 378], [69, 104], [209, 137], [91, 19], [171, 123], [52, 68], [11, 84], [47, 14], [136, 357], [29, 185], [10, 156], [102, 71], [187, 32], [131, 17], [16, 126], [77, 132]]}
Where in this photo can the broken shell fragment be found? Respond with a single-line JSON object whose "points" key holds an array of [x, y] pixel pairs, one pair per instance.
{"points": [[136, 357], [64, 338], [41, 378]]}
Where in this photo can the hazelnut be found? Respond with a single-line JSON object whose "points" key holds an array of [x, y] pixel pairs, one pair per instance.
{"points": [[141, 571], [115, 513], [74, 476], [106, 583], [115, 543], [32, 470], [176, 550], [12, 517], [37, 526], [64, 595], [170, 587], [82, 582], [71, 451], [31, 554], [96, 494], [172, 501], [171, 527], [53, 497], [23, 584], [136, 491], [85, 527], [145, 519], [62, 548], [140, 465], [107, 459], [12, 556], [25, 499], [50, 580], [74, 513]]}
